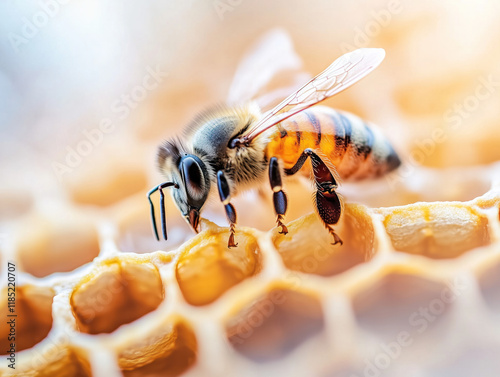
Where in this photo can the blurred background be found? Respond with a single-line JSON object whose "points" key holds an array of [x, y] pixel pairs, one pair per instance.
{"points": [[88, 89]]}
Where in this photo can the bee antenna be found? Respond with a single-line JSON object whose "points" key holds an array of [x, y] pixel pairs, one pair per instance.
{"points": [[160, 188]]}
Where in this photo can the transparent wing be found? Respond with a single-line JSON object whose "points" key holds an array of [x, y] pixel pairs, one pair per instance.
{"points": [[341, 74], [273, 53], [272, 98]]}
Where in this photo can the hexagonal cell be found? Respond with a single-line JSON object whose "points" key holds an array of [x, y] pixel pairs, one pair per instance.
{"points": [[401, 302], [74, 364], [170, 355], [135, 229], [308, 245], [489, 284], [56, 242], [33, 307], [207, 267], [106, 176], [118, 292], [437, 230], [275, 324], [55, 359]]}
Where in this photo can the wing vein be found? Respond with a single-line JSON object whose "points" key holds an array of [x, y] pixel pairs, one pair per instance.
{"points": [[340, 75]]}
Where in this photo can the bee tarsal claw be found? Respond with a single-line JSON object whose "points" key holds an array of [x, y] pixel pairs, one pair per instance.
{"points": [[284, 229], [230, 242], [336, 239]]}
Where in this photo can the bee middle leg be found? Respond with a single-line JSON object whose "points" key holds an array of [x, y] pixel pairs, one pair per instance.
{"points": [[225, 197], [279, 196], [327, 202]]}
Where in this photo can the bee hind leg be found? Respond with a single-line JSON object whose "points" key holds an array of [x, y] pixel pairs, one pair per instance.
{"points": [[279, 197], [326, 200], [225, 197], [329, 208]]}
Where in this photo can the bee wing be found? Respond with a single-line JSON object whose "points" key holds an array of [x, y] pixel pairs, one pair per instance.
{"points": [[272, 98], [273, 53], [341, 74]]}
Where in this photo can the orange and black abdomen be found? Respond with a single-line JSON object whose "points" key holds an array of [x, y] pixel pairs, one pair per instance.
{"points": [[357, 150]]}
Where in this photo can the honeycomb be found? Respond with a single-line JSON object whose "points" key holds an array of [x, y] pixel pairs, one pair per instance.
{"points": [[415, 288]]}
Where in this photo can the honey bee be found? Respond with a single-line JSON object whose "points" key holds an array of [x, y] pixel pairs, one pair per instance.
{"points": [[229, 149]]}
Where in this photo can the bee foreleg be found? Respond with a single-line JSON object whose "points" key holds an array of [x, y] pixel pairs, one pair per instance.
{"points": [[225, 197], [279, 196], [327, 202]]}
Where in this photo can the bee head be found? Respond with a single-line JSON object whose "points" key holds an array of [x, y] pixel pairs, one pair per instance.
{"points": [[194, 186], [189, 176]]}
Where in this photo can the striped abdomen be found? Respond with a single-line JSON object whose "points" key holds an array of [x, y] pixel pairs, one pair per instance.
{"points": [[356, 149]]}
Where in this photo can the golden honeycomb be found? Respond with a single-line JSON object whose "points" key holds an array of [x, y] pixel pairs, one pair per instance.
{"points": [[415, 288]]}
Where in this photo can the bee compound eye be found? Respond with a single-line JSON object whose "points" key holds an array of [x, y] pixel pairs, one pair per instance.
{"points": [[193, 174]]}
